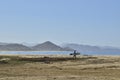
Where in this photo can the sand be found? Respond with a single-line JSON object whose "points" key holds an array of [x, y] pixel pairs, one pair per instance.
{"points": [[84, 68]]}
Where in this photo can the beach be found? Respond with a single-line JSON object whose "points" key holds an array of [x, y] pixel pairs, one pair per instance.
{"points": [[60, 67]]}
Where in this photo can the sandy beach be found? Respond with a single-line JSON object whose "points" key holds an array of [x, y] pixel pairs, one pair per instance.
{"points": [[20, 67]]}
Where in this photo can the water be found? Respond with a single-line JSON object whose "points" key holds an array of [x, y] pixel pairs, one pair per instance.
{"points": [[102, 53], [35, 52], [58, 52]]}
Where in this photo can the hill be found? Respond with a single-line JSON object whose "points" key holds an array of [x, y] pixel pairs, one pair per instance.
{"points": [[14, 47], [48, 46], [93, 49]]}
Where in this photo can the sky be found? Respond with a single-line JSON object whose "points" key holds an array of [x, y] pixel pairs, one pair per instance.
{"points": [[91, 22]]}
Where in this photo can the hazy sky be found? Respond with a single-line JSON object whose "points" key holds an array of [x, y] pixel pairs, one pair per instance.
{"points": [[92, 22]]}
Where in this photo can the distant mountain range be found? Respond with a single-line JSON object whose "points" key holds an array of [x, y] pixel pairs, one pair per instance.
{"points": [[1, 43], [14, 47], [88, 48], [49, 46], [46, 46]]}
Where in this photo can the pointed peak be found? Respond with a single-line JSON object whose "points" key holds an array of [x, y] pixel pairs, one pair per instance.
{"points": [[48, 42]]}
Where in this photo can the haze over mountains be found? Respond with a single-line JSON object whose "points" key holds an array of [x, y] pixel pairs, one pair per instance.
{"points": [[49, 46], [89, 48]]}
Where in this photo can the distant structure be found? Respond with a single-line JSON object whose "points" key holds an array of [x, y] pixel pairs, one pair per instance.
{"points": [[75, 53]]}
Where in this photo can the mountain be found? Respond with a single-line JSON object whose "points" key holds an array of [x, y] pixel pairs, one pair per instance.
{"points": [[29, 44], [89, 48], [68, 49], [14, 47], [1, 43], [48, 46]]}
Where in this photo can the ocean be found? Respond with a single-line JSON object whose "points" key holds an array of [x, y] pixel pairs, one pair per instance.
{"points": [[102, 53], [35, 52], [57, 52]]}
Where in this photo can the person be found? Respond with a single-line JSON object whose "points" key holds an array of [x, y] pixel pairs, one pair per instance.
{"points": [[74, 54]]}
